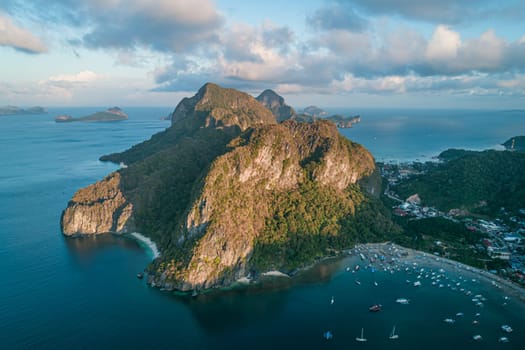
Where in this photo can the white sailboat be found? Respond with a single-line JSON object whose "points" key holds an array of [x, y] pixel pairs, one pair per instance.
{"points": [[393, 334], [361, 339]]}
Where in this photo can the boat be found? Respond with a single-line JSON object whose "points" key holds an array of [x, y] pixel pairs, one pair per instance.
{"points": [[507, 328], [449, 320], [417, 284], [393, 334], [140, 275], [503, 339], [328, 335], [477, 337], [361, 338], [403, 301], [459, 314], [475, 322], [375, 308], [332, 301], [357, 282]]}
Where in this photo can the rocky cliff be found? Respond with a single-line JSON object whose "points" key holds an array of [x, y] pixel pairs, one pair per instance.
{"points": [[276, 105], [98, 208], [225, 187]]}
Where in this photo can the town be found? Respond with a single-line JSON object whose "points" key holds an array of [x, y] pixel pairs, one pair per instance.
{"points": [[501, 237]]}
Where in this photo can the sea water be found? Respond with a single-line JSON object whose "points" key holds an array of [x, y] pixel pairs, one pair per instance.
{"points": [[83, 293]]}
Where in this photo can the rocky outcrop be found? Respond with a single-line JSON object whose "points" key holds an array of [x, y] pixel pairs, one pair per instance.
{"points": [[275, 103], [98, 208]]}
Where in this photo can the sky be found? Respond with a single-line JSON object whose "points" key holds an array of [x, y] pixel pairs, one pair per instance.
{"points": [[331, 53]]}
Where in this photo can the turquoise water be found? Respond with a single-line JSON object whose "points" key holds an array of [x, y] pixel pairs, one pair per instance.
{"points": [[83, 294]]}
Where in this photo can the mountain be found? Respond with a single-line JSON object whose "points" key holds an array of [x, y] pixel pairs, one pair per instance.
{"points": [[275, 103], [109, 115], [226, 192]]}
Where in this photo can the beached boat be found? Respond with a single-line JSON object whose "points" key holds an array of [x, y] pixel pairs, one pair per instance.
{"points": [[393, 334], [403, 301], [361, 338], [375, 308]]}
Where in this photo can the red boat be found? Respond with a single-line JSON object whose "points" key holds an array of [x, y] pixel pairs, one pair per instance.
{"points": [[375, 308]]}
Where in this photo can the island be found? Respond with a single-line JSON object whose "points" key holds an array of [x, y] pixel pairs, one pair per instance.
{"points": [[14, 110], [109, 115], [314, 111], [228, 192]]}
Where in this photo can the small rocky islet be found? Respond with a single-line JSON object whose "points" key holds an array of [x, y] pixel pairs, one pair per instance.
{"points": [[109, 115]]}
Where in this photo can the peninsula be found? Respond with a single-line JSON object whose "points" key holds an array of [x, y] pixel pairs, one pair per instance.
{"points": [[228, 192], [109, 115]]}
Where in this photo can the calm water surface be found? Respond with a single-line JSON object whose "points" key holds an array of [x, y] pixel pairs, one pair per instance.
{"points": [[83, 294]]}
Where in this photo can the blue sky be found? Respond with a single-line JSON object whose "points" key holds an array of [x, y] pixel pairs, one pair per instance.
{"points": [[333, 53]]}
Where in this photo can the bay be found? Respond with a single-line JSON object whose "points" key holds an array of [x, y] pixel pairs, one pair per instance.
{"points": [[84, 294]]}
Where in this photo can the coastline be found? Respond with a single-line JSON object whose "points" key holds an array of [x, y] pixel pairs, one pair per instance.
{"points": [[148, 243], [416, 255]]}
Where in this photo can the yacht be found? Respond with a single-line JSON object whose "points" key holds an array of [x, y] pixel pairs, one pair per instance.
{"points": [[393, 334], [361, 338], [507, 328], [375, 308], [403, 301]]}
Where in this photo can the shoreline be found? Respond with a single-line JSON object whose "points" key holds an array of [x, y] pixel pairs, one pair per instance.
{"points": [[416, 255], [152, 246]]}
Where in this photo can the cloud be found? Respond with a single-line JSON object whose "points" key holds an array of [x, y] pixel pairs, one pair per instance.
{"points": [[81, 77], [19, 38], [443, 11], [337, 16], [160, 25]]}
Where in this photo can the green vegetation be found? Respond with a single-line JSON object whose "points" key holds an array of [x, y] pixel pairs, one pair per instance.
{"points": [[316, 221], [479, 182]]}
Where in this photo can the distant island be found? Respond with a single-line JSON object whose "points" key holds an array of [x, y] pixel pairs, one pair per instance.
{"points": [[314, 111], [14, 110], [515, 144], [109, 115]]}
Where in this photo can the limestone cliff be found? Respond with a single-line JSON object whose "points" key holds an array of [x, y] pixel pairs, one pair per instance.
{"points": [[238, 193], [98, 208], [226, 191]]}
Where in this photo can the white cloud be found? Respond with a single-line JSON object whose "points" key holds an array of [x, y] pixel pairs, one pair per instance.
{"points": [[444, 45], [81, 77], [19, 38]]}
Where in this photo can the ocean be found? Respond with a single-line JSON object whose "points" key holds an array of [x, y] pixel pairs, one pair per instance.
{"points": [[59, 292]]}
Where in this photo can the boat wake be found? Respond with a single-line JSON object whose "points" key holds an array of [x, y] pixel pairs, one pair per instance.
{"points": [[152, 247]]}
